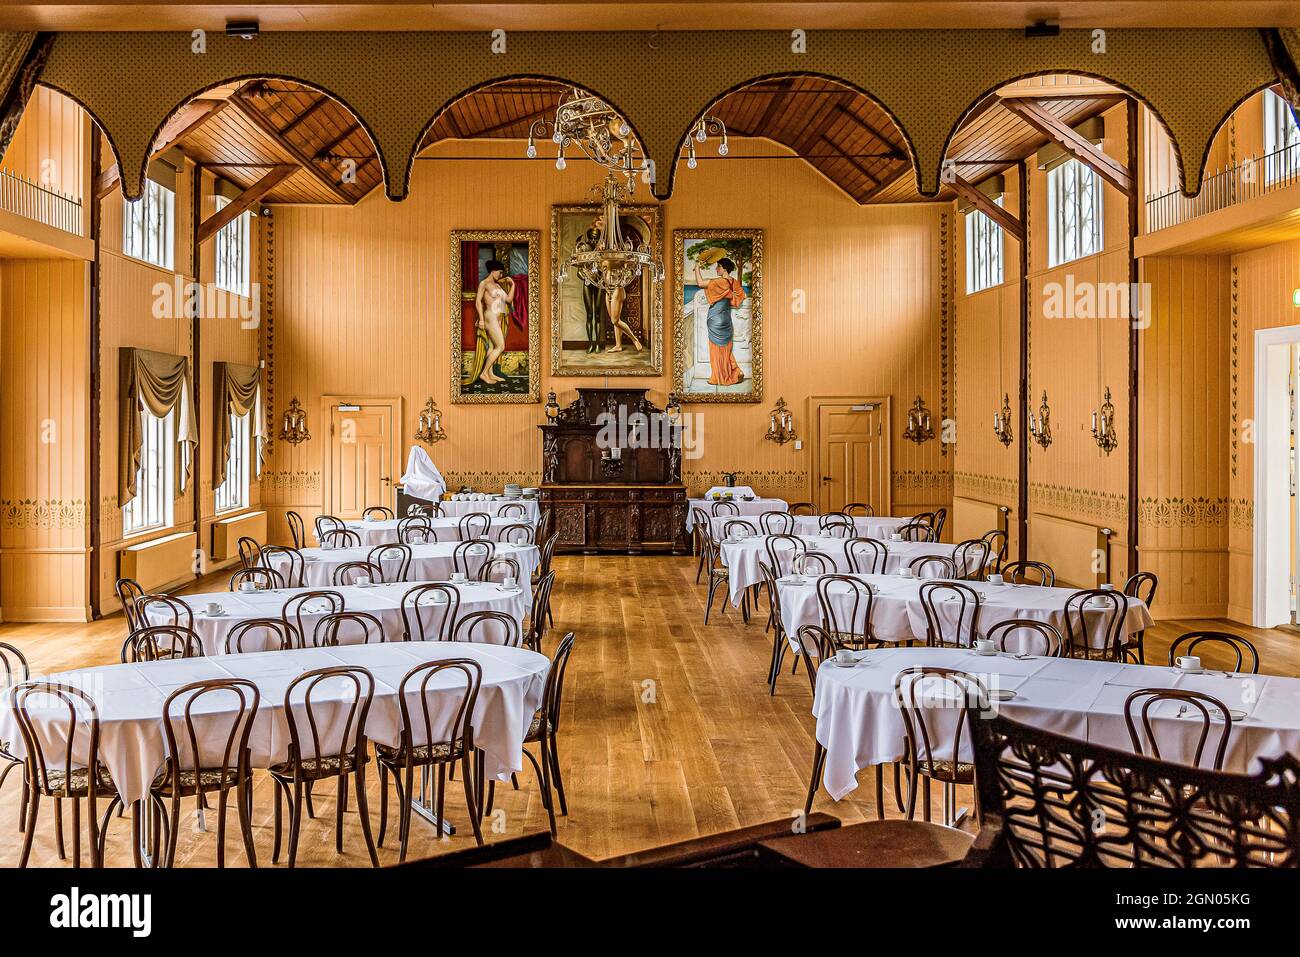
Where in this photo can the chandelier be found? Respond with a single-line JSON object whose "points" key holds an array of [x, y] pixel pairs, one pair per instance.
{"points": [[615, 261]]}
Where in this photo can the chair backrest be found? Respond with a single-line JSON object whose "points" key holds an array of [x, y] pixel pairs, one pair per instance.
{"points": [[499, 568], [1142, 585], [776, 523], [474, 525], [486, 626], [289, 562], [725, 508], [1029, 573], [423, 605], [326, 632], [128, 593], [160, 642], [1241, 648], [936, 705], [416, 530], [802, 508], [997, 541], [815, 645], [1032, 784], [469, 556], [268, 634], [512, 510], [82, 722], [836, 525], [541, 611], [553, 693], [915, 530], [327, 523], [970, 558], [420, 725], [773, 595], [548, 552], [818, 563], [318, 602], [845, 604], [1210, 710], [297, 528], [188, 749], [378, 512], [737, 526], [14, 665], [340, 538], [250, 551], [262, 578], [938, 518], [952, 612], [316, 732], [392, 560], [1027, 636], [162, 609], [858, 509], [866, 556], [933, 566], [349, 573], [782, 552], [516, 534], [1094, 623]]}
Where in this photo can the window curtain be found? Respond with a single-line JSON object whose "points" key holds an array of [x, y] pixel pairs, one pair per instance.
{"points": [[238, 392], [157, 383], [1283, 46]]}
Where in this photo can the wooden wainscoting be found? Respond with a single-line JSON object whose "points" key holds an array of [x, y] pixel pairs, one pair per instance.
{"points": [[1071, 548], [226, 533], [971, 518], [160, 562]]}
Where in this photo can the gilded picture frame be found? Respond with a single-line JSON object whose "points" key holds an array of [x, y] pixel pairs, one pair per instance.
{"points": [[516, 369], [696, 359], [584, 342]]}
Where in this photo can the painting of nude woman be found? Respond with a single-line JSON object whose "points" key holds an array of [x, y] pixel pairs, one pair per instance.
{"points": [[495, 330]]}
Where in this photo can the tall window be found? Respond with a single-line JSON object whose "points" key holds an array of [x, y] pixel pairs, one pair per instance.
{"points": [[1281, 139], [151, 509], [233, 259], [1074, 204], [147, 225], [233, 492], [983, 251]]}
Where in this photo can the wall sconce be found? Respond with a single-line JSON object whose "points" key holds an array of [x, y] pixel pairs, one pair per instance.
{"points": [[918, 423], [673, 408], [1103, 425], [1002, 421], [1040, 428], [294, 429], [552, 407], [430, 429], [781, 424]]}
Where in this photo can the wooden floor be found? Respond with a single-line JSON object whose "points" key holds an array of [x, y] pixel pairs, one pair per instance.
{"points": [[668, 730]]}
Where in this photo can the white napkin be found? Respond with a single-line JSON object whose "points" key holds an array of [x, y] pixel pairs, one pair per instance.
{"points": [[422, 478]]}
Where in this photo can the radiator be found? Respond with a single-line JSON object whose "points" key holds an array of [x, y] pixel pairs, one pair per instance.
{"points": [[971, 518], [1079, 553], [226, 533], [160, 562]]}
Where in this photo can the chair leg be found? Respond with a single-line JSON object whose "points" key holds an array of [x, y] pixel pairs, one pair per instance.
{"points": [[708, 602], [555, 775], [491, 796], [404, 829], [31, 827], [101, 839], [295, 820], [173, 829], [880, 792], [58, 828], [221, 826], [364, 811], [544, 781], [339, 807], [277, 787], [474, 816], [244, 794], [819, 759], [76, 833], [383, 804], [24, 804]]}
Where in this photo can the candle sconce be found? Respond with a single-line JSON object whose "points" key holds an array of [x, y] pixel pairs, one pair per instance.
{"points": [[673, 408], [430, 430], [552, 408], [294, 428], [1002, 421], [1040, 426], [1103, 425], [781, 424], [918, 428]]}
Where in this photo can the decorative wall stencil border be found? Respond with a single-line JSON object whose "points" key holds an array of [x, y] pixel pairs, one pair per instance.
{"points": [[1234, 354], [266, 343], [1241, 513], [44, 513], [491, 481], [279, 486], [996, 486], [1111, 506], [931, 480], [770, 478], [947, 350], [1196, 512]]}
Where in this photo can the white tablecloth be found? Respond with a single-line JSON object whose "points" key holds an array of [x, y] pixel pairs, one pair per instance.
{"points": [[447, 529], [897, 615], [454, 508], [863, 527], [382, 601], [742, 557], [130, 698], [753, 508], [859, 723], [429, 563]]}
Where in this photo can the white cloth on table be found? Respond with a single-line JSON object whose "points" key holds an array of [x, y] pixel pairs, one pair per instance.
{"points": [[429, 563], [382, 601], [879, 528], [756, 506], [736, 490], [860, 724], [384, 531], [422, 478], [129, 700], [454, 508]]}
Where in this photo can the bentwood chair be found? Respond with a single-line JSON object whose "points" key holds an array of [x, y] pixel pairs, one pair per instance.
{"points": [[469, 556], [774, 622], [938, 518], [340, 538], [539, 619], [473, 526], [297, 529], [1027, 636], [161, 642], [803, 508], [866, 556], [500, 568], [221, 763], [776, 523], [720, 509], [699, 528], [1094, 624], [1029, 573], [997, 542], [324, 744], [325, 524], [1211, 711], [517, 534], [914, 530], [1239, 647], [542, 732], [162, 609], [547, 553], [734, 528], [319, 601], [933, 566], [836, 525], [416, 530], [952, 612], [362, 628], [250, 552], [349, 573], [16, 671], [262, 634], [784, 553], [818, 563], [512, 510], [488, 627], [68, 770], [858, 509], [971, 558], [264, 579], [431, 736], [429, 612], [845, 604], [711, 555], [293, 569], [379, 513], [128, 593], [936, 722], [1141, 585], [385, 557]]}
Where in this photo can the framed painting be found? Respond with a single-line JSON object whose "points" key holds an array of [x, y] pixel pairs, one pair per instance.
{"points": [[593, 334], [496, 346], [718, 321]]}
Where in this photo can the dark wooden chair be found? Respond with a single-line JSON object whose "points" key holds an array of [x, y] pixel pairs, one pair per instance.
{"points": [[319, 601], [326, 632], [1239, 647], [16, 671], [270, 634], [1109, 613], [488, 627], [293, 569], [1015, 635], [473, 526], [932, 752], [264, 579], [297, 529], [1141, 585], [966, 602], [250, 552], [349, 573], [1029, 573], [423, 604], [1210, 711], [866, 556], [128, 593], [379, 513], [340, 538], [385, 557], [161, 642]]}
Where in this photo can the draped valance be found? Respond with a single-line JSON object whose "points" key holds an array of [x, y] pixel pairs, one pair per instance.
{"points": [[238, 392], [157, 383]]}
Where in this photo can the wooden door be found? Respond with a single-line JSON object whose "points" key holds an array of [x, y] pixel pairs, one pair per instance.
{"points": [[853, 455], [361, 457]]}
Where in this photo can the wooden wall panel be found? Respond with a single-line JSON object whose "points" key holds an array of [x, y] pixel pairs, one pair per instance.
{"points": [[51, 145]]}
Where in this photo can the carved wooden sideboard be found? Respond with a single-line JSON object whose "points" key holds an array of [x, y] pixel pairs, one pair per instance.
{"points": [[611, 464]]}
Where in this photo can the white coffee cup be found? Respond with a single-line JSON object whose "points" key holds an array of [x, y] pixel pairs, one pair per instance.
{"points": [[844, 656], [214, 608], [363, 580], [248, 586], [995, 579], [1107, 586], [984, 646], [905, 572], [508, 582], [1188, 663], [895, 537], [458, 578]]}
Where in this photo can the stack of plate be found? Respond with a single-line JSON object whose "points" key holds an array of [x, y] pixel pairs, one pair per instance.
{"points": [[532, 492], [512, 490]]}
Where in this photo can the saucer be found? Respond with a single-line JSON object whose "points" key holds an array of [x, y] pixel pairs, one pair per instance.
{"points": [[844, 664], [215, 614], [1002, 694], [1190, 671]]}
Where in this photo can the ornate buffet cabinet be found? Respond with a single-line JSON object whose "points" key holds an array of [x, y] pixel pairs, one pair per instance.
{"points": [[612, 475]]}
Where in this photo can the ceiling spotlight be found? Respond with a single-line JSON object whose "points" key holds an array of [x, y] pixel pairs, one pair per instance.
{"points": [[243, 29], [1042, 29]]}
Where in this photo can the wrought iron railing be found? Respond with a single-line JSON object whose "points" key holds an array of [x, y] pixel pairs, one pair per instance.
{"points": [[1250, 178], [23, 197]]}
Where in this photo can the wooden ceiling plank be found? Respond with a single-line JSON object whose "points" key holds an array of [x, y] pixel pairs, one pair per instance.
{"points": [[232, 210], [1033, 113], [250, 113], [304, 115], [868, 128]]}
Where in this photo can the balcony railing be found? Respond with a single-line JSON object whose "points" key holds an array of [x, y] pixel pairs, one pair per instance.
{"points": [[34, 201], [1251, 178]]}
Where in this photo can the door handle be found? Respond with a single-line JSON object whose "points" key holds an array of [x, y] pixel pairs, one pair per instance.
{"points": [[826, 478], [386, 480]]}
